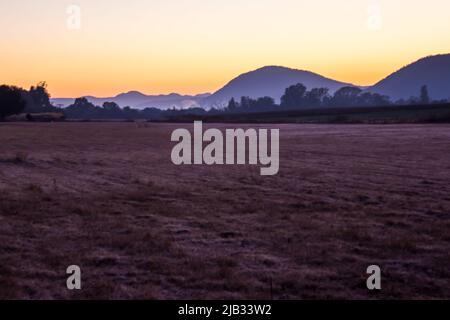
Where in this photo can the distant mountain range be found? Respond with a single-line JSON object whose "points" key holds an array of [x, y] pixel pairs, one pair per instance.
{"points": [[433, 71], [139, 100]]}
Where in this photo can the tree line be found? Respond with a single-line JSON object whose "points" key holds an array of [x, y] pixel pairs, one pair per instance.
{"points": [[295, 97], [299, 97], [82, 108], [14, 100]]}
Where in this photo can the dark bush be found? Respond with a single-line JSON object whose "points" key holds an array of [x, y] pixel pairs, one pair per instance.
{"points": [[11, 101]]}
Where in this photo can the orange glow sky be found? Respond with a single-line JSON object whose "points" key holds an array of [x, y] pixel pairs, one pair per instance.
{"points": [[196, 46]]}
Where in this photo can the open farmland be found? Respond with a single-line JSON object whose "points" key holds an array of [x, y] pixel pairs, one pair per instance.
{"points": [[106, 197]]}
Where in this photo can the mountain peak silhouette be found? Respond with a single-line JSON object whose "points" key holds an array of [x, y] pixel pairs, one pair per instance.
{"points": [[432, 71], [270, 81]]}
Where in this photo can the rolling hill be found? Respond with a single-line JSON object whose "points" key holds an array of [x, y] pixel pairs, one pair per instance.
{"points": [[269, 81], [433, 71]]}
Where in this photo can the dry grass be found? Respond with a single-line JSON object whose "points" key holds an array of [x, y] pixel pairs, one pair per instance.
{"points": [[106, 197]]}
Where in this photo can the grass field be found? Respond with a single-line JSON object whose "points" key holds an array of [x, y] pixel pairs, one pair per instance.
{"points": [[105, 196]]}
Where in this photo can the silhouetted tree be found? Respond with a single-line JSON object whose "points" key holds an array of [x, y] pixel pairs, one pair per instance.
{"points": [[293, 96], [424, 97], [232, 105], [128, 113], [264, 103], [111, 106], [38, 99], [381, 100], [316, 97], [82, 109], [11, 101], [112, 110], [346, 96], [248, 104], [368, 99], [83, 103], [245, 103]]}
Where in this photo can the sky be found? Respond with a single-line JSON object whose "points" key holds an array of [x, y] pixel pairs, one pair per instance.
{"points": [[105, 47]]}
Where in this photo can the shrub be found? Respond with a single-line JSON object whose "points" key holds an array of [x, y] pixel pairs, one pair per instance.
{"points": [[11, 101]]}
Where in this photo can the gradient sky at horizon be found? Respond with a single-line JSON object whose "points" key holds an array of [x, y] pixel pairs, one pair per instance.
{"points": [[196, 46]]}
